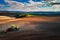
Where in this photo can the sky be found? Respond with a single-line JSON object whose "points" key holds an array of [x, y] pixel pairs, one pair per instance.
{"points": [[26, 5], [2, 1]]}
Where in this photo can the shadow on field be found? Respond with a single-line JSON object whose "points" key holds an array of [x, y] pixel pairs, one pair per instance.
{"points": [[33, 31]]}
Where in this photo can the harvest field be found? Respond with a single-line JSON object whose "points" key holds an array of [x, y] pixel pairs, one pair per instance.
{"points": [[31, 28]]}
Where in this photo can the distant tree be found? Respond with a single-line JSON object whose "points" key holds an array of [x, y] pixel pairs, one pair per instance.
{"points": [[20, 15]]}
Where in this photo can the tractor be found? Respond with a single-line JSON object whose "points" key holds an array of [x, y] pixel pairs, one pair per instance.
{"points": [[12, 28]]}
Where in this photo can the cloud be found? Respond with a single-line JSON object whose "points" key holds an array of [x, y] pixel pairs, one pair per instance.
{"points": [[1, 5], [32, 6]]}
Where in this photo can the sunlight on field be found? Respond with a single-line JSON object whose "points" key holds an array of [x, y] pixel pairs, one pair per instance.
{"points": [[5, 17], [30, 15]]}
